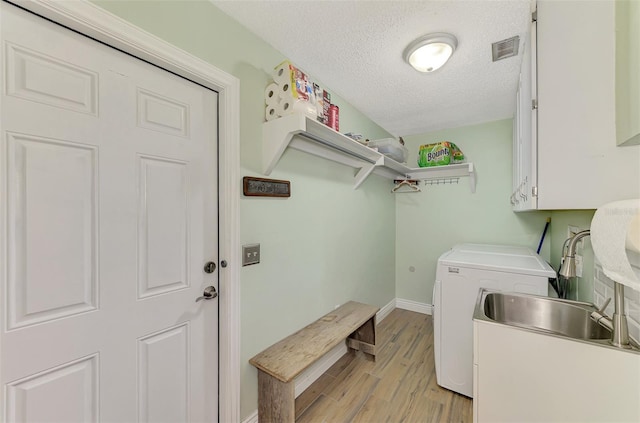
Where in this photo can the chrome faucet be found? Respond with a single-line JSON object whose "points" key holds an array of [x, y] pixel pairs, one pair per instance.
{"points": [[568, 269], [616, 324]]}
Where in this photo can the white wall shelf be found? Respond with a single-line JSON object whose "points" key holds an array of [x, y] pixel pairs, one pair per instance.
{"points": [[305, 134]]}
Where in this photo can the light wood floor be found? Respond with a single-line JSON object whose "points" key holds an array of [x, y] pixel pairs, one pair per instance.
{"points": [[400, 386]]}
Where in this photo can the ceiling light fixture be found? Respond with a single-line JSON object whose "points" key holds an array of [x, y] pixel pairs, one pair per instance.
{"points": [[430, 52]]}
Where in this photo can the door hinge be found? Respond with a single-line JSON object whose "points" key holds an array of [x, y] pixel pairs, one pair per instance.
{"points": [[534, 16], [534, 191], [534, 104]]}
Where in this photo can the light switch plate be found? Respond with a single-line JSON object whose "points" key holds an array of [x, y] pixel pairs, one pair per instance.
{"points": [[250, 254]]}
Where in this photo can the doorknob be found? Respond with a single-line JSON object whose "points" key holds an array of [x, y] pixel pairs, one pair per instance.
{"points": [[208, 294]]}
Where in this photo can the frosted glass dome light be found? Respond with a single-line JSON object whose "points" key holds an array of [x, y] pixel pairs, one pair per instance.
{"points": [[430, 52]]}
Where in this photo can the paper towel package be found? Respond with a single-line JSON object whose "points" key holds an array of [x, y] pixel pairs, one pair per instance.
{"points": [[270, 112], [282, 73], [292, 91], [271, 94], [293, 82], [286, 107], [284, 91], [615, 233]]}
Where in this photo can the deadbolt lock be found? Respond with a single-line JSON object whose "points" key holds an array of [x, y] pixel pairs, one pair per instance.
{"points": [[210, 267]]}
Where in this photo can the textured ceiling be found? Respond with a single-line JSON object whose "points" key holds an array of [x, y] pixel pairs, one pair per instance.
{"points": [[355, 49]]}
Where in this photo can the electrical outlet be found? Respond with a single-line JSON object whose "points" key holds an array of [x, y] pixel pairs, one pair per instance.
{"points": [[572, 230], [578, 265], [250, 254]]}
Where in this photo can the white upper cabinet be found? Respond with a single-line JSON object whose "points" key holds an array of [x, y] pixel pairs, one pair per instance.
{"points": [[577, 161], [628, 72], [524, 136]]}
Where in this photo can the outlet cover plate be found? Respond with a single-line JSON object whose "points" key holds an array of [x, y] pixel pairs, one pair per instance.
{"points": [[579, 266], [250, 254], [572, 230]]}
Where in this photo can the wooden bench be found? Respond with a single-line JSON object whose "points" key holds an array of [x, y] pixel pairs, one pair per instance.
{"points": [[279, 364]]}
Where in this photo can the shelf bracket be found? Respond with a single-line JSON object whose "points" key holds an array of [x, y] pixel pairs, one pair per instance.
{"points": [[276, 137], [472, 178], [365, 171]]}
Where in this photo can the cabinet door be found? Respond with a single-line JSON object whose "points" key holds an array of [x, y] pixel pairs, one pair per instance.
{"points": [[530, 51], [628, 72], [579, 165], [525, 154], [530, 377], [517, 166]]}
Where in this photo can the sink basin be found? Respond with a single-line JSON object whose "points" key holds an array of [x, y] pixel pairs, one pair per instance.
{"points": [[550, 315]]}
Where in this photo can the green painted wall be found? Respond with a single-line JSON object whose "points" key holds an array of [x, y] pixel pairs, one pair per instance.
{"points": [[325, 245], [431, 222]]}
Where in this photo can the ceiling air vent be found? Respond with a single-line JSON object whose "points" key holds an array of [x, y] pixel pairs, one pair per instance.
{"points": [[505, 48]]}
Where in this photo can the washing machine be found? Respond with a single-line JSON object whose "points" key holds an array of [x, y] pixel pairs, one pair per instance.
{"points": [[460, 273]]}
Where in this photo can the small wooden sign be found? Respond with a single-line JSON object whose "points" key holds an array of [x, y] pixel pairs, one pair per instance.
{"points": [[261, 187]]}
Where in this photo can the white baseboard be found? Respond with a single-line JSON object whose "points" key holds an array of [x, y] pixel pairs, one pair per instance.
{"points": [[414, 306], [306, 378], [385, 310]]}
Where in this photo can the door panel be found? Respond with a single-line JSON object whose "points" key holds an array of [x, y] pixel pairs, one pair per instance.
{"points": [[164, 396], [163, 229], [108, 184], [50, 181], [162, 114], [35, 76], [73, 387]]}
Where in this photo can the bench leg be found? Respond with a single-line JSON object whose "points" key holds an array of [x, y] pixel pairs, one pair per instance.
{"points": [[364, 339], [276, 400]]}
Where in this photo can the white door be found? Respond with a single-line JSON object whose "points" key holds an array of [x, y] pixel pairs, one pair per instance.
{"points": [[108, 215]]}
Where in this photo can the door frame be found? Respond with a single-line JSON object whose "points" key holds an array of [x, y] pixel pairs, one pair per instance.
{"points": [[95, 22]]}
